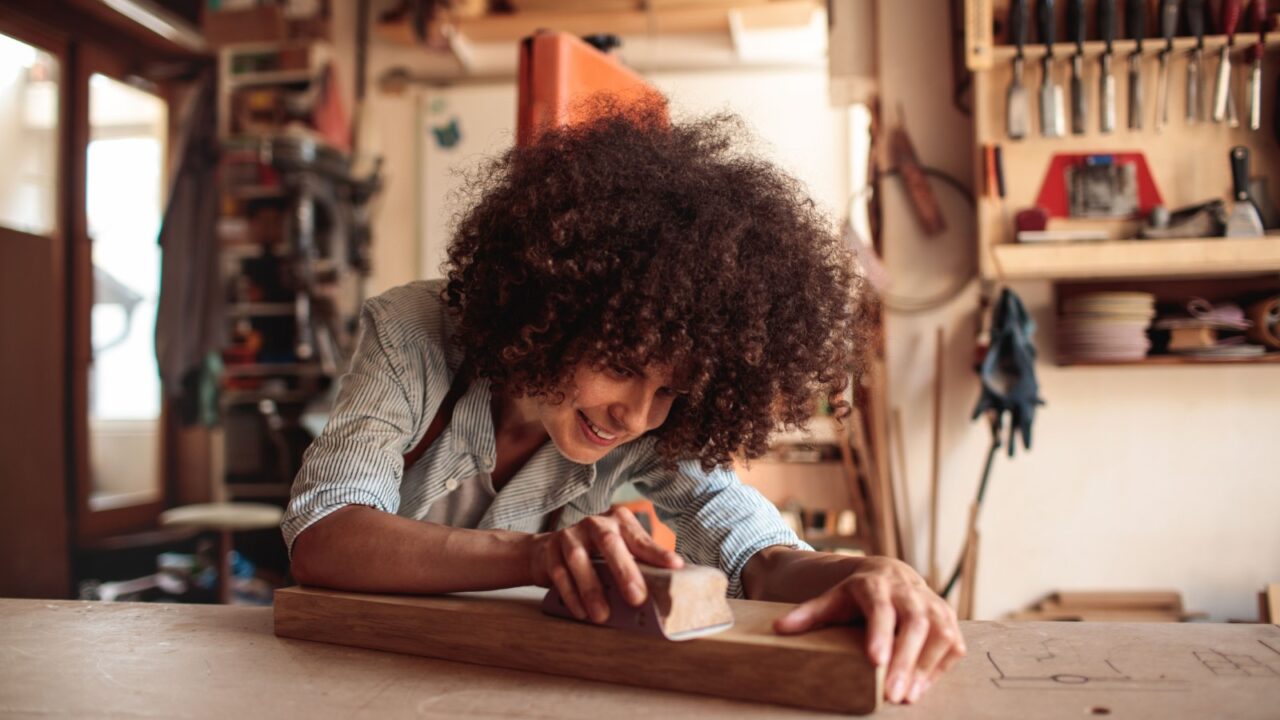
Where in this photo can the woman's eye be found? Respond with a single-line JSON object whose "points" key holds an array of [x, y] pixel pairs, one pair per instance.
{"points": [[620, 372]]}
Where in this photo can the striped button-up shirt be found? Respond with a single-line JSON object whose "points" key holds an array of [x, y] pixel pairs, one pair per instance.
{"points": [[402, 370]]}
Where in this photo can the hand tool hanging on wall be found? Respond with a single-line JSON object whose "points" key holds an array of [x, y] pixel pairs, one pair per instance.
{"points": [[1017, 112], [1168, 25], [1052, 113], [1195, 22], [1222, 101], [1259, 8], [1244, 220], [1107, 85], [923, 201], [1136, 25], [1075, 27]]}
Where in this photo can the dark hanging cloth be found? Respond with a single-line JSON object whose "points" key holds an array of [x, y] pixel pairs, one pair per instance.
{"points": [[191, 321], [1008, 371]]}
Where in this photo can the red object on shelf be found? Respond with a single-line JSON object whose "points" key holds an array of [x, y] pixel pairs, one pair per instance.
{"points": [[1053, 191]]}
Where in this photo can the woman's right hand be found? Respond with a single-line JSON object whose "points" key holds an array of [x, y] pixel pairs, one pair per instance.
{"points": [[562, 559]]}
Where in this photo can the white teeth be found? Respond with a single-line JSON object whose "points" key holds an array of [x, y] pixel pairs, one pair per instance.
{"points": [[599, 433]]}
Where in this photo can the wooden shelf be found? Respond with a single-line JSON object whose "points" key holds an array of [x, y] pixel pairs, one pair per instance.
{"points": [[1272, 358], [510, 27], [1198, 257]]}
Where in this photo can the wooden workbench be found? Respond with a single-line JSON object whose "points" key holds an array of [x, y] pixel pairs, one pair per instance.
{"points": [[93, 660]]}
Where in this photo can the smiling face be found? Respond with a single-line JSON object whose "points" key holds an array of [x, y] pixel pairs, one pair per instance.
{"points": [[603, 409]]}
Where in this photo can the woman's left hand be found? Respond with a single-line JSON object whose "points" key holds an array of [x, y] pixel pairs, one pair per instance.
{"points": [[909, 627]]}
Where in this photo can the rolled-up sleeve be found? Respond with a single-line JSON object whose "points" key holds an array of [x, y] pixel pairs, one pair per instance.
{"points": [[358, 457], [718, 520]]}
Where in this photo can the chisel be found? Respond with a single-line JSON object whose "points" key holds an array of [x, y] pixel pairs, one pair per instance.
{"points": [[1107, 85], [1244, 220], [1195, 22], [1017, 111], [1259, 8], [1222, 88], [1168, 25], [1136, 24], [1052, 114], [1075, 28]]}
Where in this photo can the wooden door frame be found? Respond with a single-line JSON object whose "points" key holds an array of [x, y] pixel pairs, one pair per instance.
{"points": [[92, 524], [40, 525]]}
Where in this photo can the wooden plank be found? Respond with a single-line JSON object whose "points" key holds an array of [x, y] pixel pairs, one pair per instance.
{"points": [[823, 670], [1117, 599], [906, 518], [1273, 603], [939, 367]]}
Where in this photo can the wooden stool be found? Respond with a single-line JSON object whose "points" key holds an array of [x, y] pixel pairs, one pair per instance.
{"points": [[224, 518]]}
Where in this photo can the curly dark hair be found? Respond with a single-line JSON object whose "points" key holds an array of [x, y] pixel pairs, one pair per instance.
{"points": [[629, 239]]}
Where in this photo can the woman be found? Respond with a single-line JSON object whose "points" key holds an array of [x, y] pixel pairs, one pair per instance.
{"points": [[628, 301]]}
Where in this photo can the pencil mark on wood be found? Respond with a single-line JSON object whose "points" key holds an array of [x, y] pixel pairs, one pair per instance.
{"points": [[1220, 663], [1269, 646], [1063, 668]]}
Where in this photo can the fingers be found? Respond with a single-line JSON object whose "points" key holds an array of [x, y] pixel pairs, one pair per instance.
{"points": [[560, 578], [641, 544], [607, 537], [832, 606], [943, 641], [578, 560], [913, 630]]}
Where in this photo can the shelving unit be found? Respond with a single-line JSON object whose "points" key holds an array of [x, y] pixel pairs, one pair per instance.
{"points": [[1188, 162]]}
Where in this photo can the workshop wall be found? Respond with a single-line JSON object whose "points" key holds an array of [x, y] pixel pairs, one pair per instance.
{"points": [[1144, 477], [1139, 477]]}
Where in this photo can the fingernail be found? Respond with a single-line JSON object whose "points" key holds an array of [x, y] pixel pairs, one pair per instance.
{"points": [[898, 689], [600, 612], [637, 593], [879, 655], [917, 687]]}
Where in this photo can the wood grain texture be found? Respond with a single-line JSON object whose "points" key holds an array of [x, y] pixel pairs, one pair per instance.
{"points": [[823, 670]]}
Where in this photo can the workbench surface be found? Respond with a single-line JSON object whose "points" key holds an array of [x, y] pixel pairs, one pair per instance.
{"points": [[93, 660]]}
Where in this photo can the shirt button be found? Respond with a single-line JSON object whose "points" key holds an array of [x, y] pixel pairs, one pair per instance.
{"points": [[451, 484]]}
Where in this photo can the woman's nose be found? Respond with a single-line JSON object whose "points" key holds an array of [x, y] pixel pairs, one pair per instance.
{"points": [[632, 410]]}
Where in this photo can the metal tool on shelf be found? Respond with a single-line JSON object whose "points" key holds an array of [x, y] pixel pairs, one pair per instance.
{"points": [[1052, 113], [1223, 105], [1259, 11], [1076, 30], [1017, 111], [1244, 220], [1168, 25], [1107, 84], [1195, 58], [1136, 25]]}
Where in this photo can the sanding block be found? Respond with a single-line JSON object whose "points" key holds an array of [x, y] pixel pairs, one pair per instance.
{"points": [[682, 604]]}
